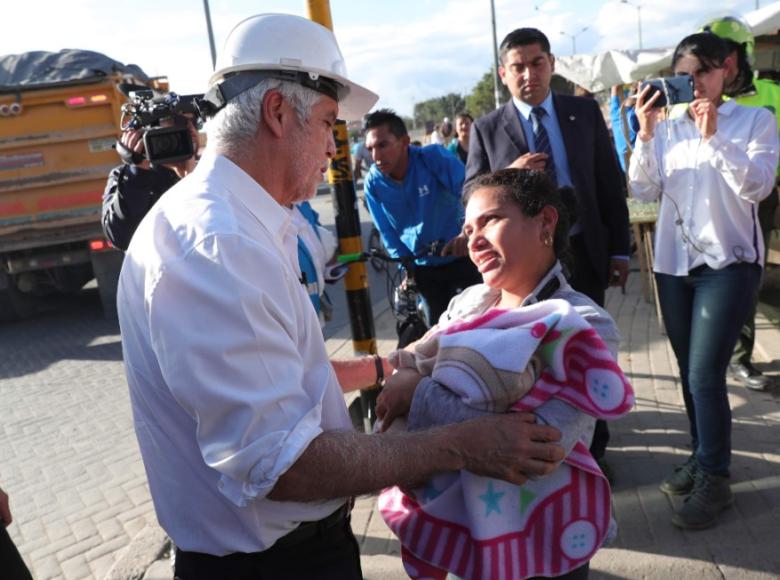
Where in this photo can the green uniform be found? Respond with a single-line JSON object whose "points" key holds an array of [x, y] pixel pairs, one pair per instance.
{"points": [[766, 94]]}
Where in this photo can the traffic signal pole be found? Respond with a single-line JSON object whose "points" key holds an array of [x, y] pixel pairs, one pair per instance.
{"points": [[342, 187]]}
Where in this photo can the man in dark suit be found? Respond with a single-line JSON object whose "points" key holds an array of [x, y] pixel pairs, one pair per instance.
{"points": [[574, 146], [567, 137]]}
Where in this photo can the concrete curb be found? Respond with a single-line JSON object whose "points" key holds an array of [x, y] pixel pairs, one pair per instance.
{"points": [[146, 547]]}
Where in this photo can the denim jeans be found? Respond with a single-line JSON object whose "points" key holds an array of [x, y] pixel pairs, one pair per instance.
{"points": [[703, 314]]}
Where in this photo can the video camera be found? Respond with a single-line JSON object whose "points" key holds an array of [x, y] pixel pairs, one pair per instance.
{"points": [[167, 144]]}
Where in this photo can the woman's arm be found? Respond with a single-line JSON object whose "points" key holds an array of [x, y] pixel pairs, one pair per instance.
{"points": [[748, 171]]}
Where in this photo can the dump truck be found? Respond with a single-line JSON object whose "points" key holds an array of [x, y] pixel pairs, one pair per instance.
{"points": [[59, 120]]}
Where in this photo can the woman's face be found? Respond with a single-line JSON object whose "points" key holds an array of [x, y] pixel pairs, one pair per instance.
{"points": [[706, 84], [507, 246]]}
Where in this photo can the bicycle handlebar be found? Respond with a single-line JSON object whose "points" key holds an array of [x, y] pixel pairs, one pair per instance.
{"points": [[432, 249]]}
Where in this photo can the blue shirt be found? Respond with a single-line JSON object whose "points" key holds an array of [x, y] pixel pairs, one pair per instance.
{"points": [[617, 129], [550, 123], [424, 208]]}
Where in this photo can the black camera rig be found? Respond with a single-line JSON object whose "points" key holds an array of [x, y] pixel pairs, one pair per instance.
{"points": [[163, 144]]}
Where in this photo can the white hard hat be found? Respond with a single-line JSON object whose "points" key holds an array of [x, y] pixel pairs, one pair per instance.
{"points": [[290, 48]]}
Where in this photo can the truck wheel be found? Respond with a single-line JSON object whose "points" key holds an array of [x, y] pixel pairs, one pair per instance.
{"points": [[14, 304], [106, 266]]}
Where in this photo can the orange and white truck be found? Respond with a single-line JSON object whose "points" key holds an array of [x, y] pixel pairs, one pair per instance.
{"points": [[59, 119]]}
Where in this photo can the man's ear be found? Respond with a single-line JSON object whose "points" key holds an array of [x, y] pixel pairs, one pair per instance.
{"points": [[406, 140], [502, 73], [552, 62], [273, 112]]}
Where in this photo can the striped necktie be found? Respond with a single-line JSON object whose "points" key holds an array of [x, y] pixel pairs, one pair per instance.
{"points": [[542, 141]]}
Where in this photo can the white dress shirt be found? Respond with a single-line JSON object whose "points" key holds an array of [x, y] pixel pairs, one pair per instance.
{"points": [[227, 369], [709, 189]]}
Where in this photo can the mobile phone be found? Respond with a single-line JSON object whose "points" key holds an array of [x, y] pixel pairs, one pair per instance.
{"points": [[674, 90]]}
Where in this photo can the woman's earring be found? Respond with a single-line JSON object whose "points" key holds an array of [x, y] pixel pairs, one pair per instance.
{"points": [[548, 240]]}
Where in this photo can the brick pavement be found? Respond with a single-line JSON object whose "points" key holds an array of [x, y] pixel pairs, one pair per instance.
{"points": [[68, 457], [70, 461]]}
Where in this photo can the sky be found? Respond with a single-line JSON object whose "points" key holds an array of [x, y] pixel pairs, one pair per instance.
{"points": [[404, 50]]}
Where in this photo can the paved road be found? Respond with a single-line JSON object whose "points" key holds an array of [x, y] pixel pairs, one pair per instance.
{"points": [[68, 457], [68, 454]]}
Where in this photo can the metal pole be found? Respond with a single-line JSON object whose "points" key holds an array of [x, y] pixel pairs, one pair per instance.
{"points": [[342, 186], [211, 34], [496, 91], [639, 23]]}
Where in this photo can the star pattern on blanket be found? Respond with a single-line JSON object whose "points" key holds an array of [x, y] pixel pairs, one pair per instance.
{"points": [[491, 499], [526, 499]]}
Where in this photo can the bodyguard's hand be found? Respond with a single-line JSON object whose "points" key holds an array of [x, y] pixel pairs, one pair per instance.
{"points": [[395, 400], [509, 446], [618, 272], [530, 161], [5, 510]]}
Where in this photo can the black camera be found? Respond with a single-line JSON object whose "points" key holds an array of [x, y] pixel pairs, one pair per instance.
{"points": [[674, 90], [163, 144]]}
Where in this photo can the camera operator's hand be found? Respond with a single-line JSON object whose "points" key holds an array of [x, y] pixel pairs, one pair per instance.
{"points": [[132, 140], [646, 113], [705, 115]]}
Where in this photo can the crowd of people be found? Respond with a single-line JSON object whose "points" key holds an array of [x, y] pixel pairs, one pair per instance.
{"points": [[250, 453]]}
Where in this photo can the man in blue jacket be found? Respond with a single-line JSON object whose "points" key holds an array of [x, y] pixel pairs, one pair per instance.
{"points": [[413, 195]]}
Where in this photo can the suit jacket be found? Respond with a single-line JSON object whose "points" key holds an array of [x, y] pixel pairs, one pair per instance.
{"points": [[497, 139]]}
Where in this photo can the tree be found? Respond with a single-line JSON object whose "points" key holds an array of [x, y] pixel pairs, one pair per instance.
{"points": [[439, 107], [482, 99]]}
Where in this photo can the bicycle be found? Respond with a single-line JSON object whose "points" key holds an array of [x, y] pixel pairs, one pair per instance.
{"points": [[404, 298], [408, 307]]}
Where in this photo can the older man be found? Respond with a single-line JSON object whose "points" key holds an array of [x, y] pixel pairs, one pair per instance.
{"points": [[248, 447]]}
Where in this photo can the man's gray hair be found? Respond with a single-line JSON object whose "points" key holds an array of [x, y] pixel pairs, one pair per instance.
{"points": [[233, 129]]}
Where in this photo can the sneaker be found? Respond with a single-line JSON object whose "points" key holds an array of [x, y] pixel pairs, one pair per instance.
{"points": [[680, 482], [711, 494]]}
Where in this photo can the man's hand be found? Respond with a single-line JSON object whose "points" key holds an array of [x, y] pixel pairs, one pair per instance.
{"points": [[133, 141], [530, 161], [5, 510], [618, 272], [457, 246], [509, 446], [395, 400]]}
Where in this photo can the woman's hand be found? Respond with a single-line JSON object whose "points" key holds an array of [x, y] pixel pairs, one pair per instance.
{"points": [[705, 115], [646, 113], [395, 400]]}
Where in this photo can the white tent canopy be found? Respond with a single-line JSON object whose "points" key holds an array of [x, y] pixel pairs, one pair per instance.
{"points": [[601, 71]]}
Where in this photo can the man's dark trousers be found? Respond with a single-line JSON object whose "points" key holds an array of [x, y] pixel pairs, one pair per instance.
{"points": [[332, 553]]}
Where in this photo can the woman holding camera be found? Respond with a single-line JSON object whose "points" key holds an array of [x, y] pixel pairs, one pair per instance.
{"points": [[710, 168]]}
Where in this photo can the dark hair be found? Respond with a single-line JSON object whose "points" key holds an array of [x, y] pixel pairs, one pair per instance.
{"points": [[395, 124], [531, 190], [464, 115], [523, 37], [744, 81], [710, 49]]}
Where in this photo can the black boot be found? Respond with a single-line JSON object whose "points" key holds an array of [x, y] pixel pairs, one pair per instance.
{"points": [[711, 494], [680, 482]]}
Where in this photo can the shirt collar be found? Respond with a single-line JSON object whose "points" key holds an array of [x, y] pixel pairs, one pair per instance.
{"points": [[273, 216], [555, 272], [525, 109]]}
